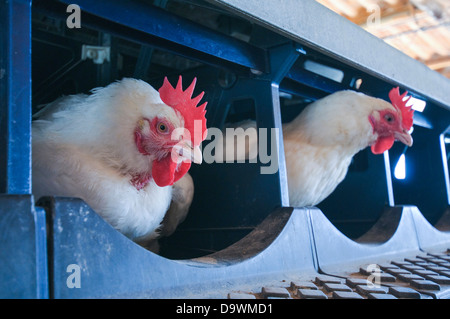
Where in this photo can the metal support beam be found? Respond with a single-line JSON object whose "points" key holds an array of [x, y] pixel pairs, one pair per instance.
{"points": [[166, 31], [302, 76], [316, 27], [282, 58], [15, 96], [258, 94]]}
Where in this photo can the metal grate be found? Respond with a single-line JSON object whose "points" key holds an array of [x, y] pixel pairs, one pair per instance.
{"points": [[425, 276]]}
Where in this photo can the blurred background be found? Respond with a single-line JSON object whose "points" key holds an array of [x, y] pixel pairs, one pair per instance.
{"points": [[419, 28]]}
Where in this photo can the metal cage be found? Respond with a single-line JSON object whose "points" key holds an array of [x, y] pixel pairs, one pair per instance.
{"points": [[241, 237]]}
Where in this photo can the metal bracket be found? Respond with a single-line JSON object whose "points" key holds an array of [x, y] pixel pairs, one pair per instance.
{"points": [[98, 54]]}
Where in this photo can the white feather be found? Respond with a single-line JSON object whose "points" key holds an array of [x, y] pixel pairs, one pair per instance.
{"points": [[83, 146], [320, 143]]}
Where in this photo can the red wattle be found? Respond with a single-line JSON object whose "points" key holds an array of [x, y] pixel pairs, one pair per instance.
{"points": [[165, 173], [382, 144]]}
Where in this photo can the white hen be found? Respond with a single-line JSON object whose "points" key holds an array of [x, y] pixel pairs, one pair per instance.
{"points": [[320, 143], [117, 150]]}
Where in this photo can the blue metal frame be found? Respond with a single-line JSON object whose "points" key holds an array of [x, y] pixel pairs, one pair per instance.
{"points": [[15, 97], [112, 266], [23, 253], [154, 26]]}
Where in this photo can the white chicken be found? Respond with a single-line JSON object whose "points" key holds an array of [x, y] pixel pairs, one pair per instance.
{"points": [[125, 150], [320, 143]]}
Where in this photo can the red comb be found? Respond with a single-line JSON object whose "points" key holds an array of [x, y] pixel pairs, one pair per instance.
{"points": [[400, 104], [183, 102]]}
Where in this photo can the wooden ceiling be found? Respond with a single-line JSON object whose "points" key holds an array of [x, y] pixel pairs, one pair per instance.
{"points": [[419, 28]]}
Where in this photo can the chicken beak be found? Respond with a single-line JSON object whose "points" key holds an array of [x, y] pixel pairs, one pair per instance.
{"points": [[193, 154], [404, 137], [197, 156]]}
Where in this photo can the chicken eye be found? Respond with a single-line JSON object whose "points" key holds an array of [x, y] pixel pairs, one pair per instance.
{"points": [[162, 127], [389, 118]]}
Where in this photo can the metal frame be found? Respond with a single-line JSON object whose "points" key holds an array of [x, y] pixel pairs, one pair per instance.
{"points": [[265, 70], [143, 23], [116, 267], [15, 97], [321, 29], [23, 254]]}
